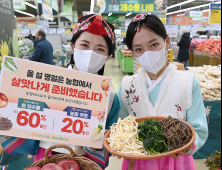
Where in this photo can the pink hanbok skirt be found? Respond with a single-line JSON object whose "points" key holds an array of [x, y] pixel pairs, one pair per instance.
{"points": [[167, 163]]}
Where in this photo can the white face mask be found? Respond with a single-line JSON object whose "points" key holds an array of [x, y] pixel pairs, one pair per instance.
{"points": [[153, 61], [88, 60]]}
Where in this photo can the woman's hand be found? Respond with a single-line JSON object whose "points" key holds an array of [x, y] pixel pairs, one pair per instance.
{"points": [[177, 155], [182, 153], [117, 156]]}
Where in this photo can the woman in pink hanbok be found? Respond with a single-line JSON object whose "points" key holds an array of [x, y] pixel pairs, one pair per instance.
{"points": [[161, 90]]}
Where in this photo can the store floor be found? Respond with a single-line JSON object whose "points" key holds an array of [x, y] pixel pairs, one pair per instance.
{"points": [[112, 70]]}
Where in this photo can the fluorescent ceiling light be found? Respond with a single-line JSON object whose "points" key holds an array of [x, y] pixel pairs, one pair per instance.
{"points": [[110, 14], [25, 13], [180, 15], [33, 6], [179, 4], [206, 10], [187, 9], [128, 14]]}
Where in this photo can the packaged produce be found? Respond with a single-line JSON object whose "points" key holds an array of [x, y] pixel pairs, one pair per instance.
{"points": [[210, 81]]}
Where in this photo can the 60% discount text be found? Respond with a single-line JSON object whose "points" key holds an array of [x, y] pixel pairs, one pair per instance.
{"points": [[34, 120]]}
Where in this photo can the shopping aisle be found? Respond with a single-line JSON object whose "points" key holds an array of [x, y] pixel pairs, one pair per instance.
{"points": [[112, 70]]}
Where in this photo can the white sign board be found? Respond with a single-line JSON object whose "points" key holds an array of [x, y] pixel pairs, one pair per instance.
{"points": [[43, 24], [45, 30], [195, 26], [25, 31], [209, 27], [172, 30], [216, 27], [61, 30], [34, 30], [196, 14], [52, 30], [47, 12]]}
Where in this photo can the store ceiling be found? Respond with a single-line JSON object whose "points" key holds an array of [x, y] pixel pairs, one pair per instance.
{"points": [[29, 10], [84, 5]]}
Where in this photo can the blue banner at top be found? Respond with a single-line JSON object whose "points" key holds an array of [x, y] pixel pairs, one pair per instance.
{"points": [[215, 6]]}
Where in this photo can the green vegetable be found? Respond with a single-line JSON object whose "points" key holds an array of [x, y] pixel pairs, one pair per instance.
{"points": [[214, 161], [7, 66], [96, 131], [96, 9], [10, 60], [152, 136]]}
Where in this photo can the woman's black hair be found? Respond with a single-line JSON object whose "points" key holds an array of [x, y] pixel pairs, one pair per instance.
{"points": [[152, 22], [109, 44]]}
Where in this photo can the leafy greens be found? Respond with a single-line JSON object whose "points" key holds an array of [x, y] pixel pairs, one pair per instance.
{"points": [[152, 136]]}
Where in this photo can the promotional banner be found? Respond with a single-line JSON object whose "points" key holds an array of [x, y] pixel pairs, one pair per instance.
{"points": [[129, 6], [172, 30], [19, 4], [44, 102], [47, 12], [215, 13]]}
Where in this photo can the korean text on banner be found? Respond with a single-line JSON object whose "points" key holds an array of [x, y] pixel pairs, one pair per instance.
{"points": [[49, 103], [47, 12], [129, 6], [215, 13], [19, 4]]}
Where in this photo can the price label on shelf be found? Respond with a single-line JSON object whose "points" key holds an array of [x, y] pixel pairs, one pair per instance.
{"points": [[52, 103]]}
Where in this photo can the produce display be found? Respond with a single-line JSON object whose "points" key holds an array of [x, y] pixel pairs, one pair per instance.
{"points": [[127, 53], [214, 161], [58, 53], [26, 47], [211, 45], [210, 81], [67, 48], [65, 164], [150, 137]]}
